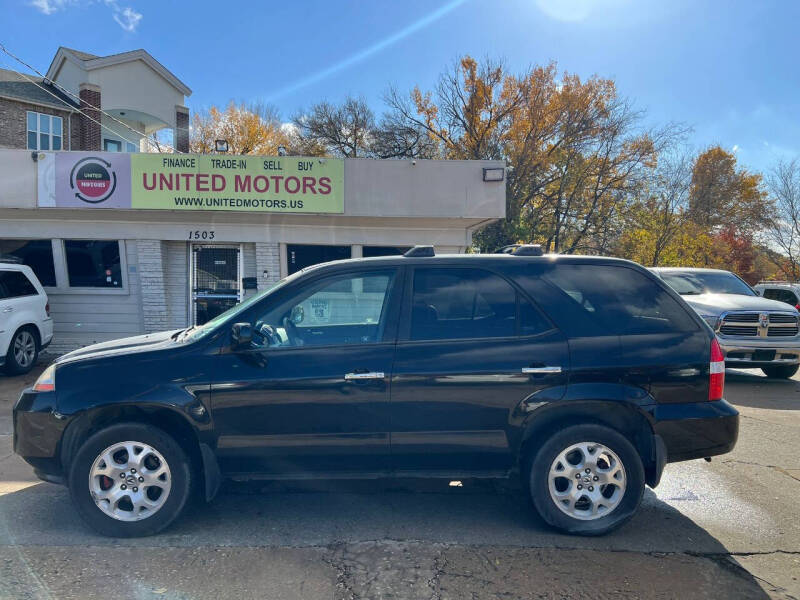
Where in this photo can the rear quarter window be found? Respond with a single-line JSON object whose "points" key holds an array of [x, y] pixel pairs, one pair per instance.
{"points": [[596, 300], [14, 284]]}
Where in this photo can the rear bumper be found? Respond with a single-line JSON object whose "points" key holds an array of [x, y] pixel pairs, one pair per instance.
{"points": [[46, 329], [696, 430]]}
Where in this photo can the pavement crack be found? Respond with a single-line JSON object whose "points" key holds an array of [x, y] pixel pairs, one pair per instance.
{"points": [[777, 468], [434, 582], [336, 559]]}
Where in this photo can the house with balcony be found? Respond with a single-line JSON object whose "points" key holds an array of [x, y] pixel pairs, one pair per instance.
{"points": [[99, 103]]}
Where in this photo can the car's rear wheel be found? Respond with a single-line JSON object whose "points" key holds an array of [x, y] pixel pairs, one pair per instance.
{"points": [[23, 351], [130, 480], [586, 479], [780, 372]]}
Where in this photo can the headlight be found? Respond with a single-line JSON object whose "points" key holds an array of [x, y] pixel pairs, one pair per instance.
{"points": [[712, 321], [46, 381]]}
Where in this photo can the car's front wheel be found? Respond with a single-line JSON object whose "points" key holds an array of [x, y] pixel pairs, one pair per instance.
{"points": [[130, 480], [586, 479], [780, 372]]}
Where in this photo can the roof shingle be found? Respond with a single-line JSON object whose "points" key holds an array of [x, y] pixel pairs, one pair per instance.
{"points": [[14, 85]]}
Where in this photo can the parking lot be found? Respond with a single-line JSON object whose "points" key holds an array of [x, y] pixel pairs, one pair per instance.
{"points": [[725, 529]]}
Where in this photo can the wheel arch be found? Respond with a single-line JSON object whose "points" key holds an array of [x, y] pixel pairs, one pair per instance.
{"points": [[625, 418], [202, 459], [28, 325]]}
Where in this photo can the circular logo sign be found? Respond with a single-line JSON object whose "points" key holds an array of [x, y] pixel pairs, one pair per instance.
{"points": [[93, 180]]}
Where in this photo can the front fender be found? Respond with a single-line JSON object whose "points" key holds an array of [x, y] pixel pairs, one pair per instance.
{"points": [[176, 380]]}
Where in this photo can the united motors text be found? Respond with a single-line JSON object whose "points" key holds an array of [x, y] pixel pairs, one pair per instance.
{"points": [[242, 184]]}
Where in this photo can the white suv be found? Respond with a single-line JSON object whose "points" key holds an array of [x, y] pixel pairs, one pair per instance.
{"points": [[783, 291], [25, 323]]}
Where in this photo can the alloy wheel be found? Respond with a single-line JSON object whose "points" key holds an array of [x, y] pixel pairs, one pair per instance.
{"points": [[130, 481], [587, 481], [24, 348]]}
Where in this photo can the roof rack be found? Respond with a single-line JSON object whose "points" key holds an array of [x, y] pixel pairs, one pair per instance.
{"points": [[420, 251], [783, 281], [522, 250]]}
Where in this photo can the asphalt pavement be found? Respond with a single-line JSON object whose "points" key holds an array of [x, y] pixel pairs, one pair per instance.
{"points": [[725, 529]]}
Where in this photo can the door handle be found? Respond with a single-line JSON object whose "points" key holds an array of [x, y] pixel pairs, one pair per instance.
{"points": [[541, 370], [363, 376], [8, 309]]}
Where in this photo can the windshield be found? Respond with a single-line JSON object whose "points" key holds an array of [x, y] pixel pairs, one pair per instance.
{"points": [[690, 283], [199, 331]]}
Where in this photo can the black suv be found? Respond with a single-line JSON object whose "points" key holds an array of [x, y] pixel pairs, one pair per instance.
{"points": [[582, 375]]}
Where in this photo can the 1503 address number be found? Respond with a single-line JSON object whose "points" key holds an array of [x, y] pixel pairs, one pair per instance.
{"points": [[201, 234]]}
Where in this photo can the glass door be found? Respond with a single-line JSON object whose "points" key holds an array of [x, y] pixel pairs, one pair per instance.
{"points": [[216, 283]]}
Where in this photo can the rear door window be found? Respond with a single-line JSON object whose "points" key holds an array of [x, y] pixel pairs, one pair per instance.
{"points": [[531, 321], [594, 300], [461, 304]]}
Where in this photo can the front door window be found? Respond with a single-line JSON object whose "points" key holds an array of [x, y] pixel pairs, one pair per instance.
{"points": [[339, 310]]}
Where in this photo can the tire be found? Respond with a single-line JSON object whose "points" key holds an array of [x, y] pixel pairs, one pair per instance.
{"points": [[612, 511], [154, 510], [781, 372], [23, 351]]}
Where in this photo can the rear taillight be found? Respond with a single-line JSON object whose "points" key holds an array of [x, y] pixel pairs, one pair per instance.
{"points": [[716, 378], [47, 308]]}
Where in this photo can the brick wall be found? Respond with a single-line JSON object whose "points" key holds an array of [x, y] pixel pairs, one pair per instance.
{"points": [[90, 120], [181, 129], [14, 124], [75, 132]]}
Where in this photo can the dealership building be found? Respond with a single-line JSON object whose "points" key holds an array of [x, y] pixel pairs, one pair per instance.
{"points": [[127, 241]]}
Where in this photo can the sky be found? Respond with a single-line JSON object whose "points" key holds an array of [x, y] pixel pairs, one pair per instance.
{"points": [[726, 68]]}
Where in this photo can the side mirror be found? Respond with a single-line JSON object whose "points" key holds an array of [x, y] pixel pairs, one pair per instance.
{"points": [[241, 335]]}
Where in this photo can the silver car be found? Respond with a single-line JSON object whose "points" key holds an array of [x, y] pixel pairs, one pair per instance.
{"points": [[754, 332]]}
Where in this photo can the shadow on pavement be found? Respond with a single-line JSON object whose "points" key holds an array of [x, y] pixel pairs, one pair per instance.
{"points": [[755, 390], [478, 517]]}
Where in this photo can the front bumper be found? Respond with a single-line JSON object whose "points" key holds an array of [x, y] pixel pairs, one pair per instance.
{"points": [[696, 429], [759, 353], [38, 429]]}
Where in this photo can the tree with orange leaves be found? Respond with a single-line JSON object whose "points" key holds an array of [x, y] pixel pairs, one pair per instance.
{"points": [[574, 148], [725, 195], [248, 129]]}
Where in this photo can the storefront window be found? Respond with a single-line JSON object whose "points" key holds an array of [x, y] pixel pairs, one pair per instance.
{"points": [[37, 254], [370, 251], [301, 256], [93, 263]]}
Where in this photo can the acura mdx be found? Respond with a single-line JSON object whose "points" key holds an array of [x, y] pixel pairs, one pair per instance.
{"points": [[583, 376]]}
